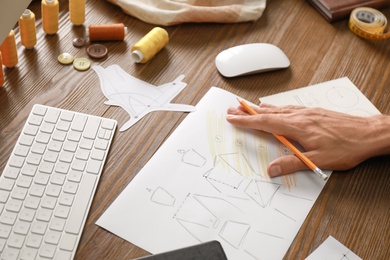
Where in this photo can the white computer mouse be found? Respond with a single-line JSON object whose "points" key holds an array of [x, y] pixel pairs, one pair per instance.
{"points": [[251, 58]]}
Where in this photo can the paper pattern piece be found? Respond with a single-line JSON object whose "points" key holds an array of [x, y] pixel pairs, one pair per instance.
{"points": [[332, 249], [138, 97], [208, 181]]}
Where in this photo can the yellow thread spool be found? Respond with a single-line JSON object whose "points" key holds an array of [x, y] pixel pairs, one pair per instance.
{"points": [[1, 72], [77, 11], [50, 10], [9, 51], [27, 29], [149, 45]]}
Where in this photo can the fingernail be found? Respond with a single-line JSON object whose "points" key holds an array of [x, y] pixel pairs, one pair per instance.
{"points": [[274, 170], [230, 116]]}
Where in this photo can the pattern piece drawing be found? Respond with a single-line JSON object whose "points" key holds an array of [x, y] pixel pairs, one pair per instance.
{"points": [[137, 97]]}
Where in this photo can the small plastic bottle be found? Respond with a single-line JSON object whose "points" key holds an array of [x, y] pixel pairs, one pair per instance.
{"points": [[77, 11], [9, 51], [27, 29], [50, 10], [149, 45]]}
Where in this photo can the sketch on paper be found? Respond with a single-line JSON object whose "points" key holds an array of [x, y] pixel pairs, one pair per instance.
{"points": [[208, 181]]}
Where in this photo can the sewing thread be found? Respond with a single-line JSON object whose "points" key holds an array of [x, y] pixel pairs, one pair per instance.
{"points": [[9, 51], [50, 10], [77, 11], [1, 72], [28, 33], [149, 45], [107, 32]]}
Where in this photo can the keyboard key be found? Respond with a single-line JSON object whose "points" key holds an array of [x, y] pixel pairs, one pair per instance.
{"points": [[6, 184], [47, 250], [16, 241], [22, 227], [38, 148], [39, 110], [28, 253], [17, 161], [22, 150], [10, 253], [92, 128], [35, 120], [82, 199], [11, 172], [52, 237], [34, 240], [5, 230], [52, 116], [68, 242], [79, 122], [47, 127]]}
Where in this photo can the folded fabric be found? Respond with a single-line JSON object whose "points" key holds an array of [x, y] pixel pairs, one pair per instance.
{"points": [[171, 12]]}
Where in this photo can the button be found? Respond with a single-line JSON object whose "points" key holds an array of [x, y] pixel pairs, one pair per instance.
{"points": [[81, 64], [79, 42], [97, 51], [65, 58]]}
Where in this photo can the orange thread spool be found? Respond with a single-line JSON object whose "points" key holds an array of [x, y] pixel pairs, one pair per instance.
{"points": [[1, 72], [107, 32], [77, 11], [9, 51], [27, 29], [50, 10]]}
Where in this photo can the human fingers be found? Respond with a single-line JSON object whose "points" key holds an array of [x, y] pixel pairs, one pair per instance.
{"points": [[285, 165], [273, 122], [236, 111]]}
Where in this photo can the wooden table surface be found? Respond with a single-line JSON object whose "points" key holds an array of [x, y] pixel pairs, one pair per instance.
{"points": [[354, 206]]}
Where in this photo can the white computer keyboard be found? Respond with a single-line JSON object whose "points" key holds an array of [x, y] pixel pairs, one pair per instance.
{"points": [[49, 181]]}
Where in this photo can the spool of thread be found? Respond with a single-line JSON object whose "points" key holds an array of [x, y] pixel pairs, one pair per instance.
{"points": [[149, 45], [27, 29], [50, 10], [77, 11], [1, 72], [107, 32], [9, 51]]}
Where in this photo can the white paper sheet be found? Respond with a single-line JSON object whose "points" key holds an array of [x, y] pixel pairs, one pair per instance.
{"points": [[208, 181], [332, 249]]}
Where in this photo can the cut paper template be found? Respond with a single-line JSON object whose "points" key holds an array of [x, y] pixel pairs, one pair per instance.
{"points": [[137, 97], [332, 249], [208, 181]]}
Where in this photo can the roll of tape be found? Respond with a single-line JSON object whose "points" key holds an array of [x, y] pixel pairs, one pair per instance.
{"points": [[368, 23]]}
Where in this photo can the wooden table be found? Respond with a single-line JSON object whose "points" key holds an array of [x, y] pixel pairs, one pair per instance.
{"points": [[354, 206]]}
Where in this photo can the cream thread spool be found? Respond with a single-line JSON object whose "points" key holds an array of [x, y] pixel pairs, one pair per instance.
{"points": [[27, 29], [50, 10], [107, 32], [9, 51], [149, 45], [1, 72], [77, 11]]}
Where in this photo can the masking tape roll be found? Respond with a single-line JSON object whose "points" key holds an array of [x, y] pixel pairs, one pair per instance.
{"points": [[368, 23]]}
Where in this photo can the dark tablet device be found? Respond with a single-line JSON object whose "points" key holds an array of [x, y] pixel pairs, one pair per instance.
{"points": [[206, 251]]}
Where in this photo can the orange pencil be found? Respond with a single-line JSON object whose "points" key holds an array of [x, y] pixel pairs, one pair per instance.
{"points": [[290, 146]]}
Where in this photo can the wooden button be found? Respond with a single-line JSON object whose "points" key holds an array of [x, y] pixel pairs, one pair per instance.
{"points": [[79, 42], [97, 51], [65, 58], [81, 64]]}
